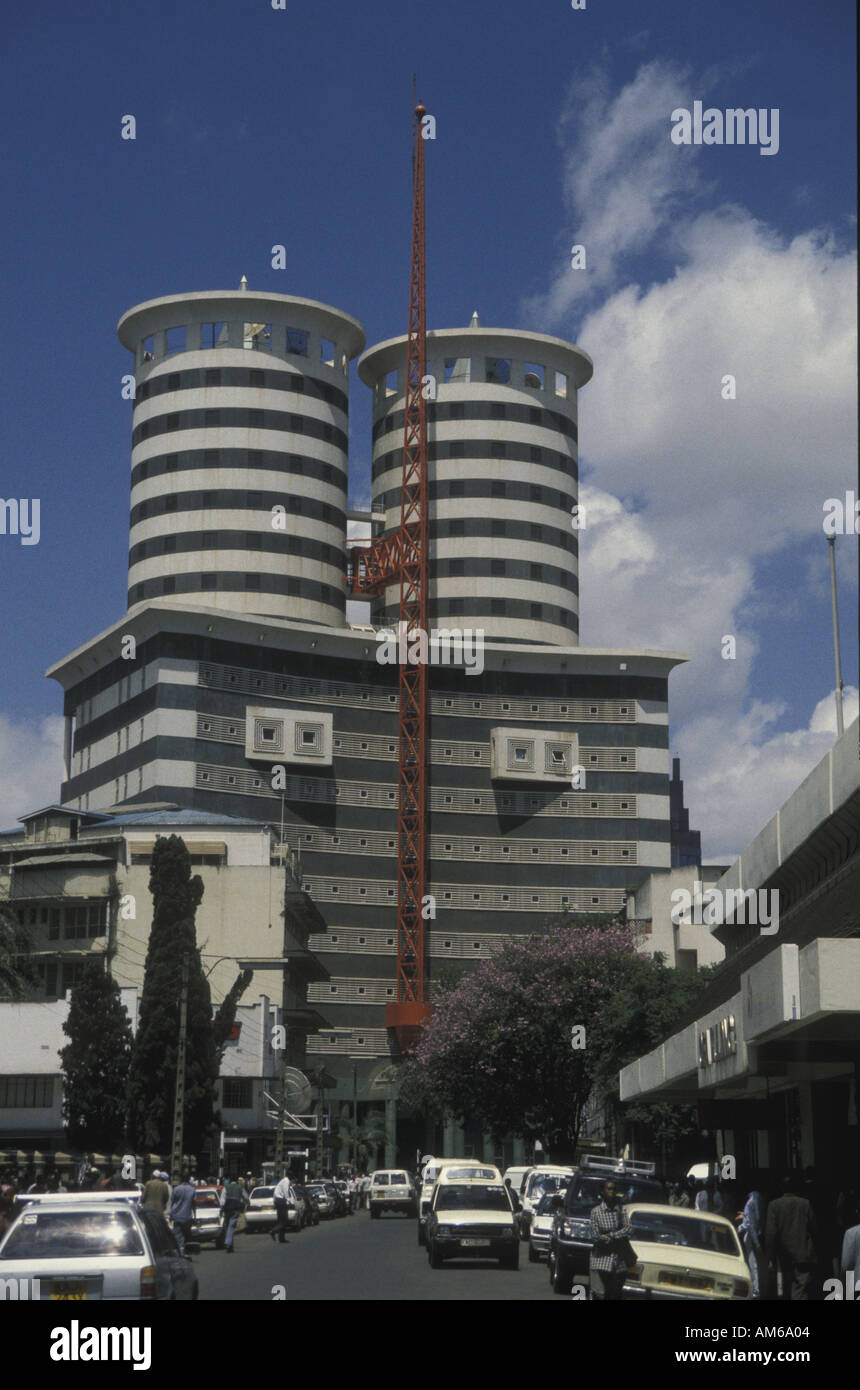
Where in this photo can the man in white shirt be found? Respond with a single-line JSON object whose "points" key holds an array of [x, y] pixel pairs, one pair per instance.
{"points": [[283, 1196]]}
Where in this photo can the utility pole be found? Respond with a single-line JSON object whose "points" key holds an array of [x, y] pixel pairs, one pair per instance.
{"points": [[179, 1100], [282, 1106], [840, 721], [354, 1119]]}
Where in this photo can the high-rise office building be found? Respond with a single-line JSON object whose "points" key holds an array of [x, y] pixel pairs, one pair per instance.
{"points": [[549, 762]]}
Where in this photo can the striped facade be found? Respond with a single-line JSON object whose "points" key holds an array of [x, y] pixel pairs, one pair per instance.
{"points": [[242, 654], [505, 858], [503, 478], [239, 453]]}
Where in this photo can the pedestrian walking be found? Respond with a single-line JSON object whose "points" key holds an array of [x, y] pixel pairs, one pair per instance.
{"points": [[751, 1232], [283, 1195], [791, 1233], [182, 1212], [850, 1261], [612, 1253], [234, 1204], [156, 1194]]}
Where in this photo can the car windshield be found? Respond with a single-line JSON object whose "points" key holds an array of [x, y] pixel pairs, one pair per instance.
{"points": [[60, 1235], [584, 1193], [484, 1174], [456, 1197], [545, 1205], [263, 1192], [695, 1232], [206, 1199], [316, 1189], [548, 1182], [380, 1180]]}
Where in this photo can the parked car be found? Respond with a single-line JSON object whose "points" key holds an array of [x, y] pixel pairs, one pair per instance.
{"points": [[85, 1248], [391, 1189], [681, 1253], [471, 1217], [323, 1200], [343, 1189], [312, 1213], [260, 1214], [208, 1223], [570, 1243]]}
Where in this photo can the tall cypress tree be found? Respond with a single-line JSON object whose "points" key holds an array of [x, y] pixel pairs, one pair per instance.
{"points": [[95, 1062], [176, 895]]}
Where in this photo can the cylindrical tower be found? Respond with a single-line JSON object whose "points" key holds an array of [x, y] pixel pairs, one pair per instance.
{"points": [[503, 474], [239, 452]]}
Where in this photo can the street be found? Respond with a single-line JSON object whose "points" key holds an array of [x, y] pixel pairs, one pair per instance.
{"points": [[355, 1258]]}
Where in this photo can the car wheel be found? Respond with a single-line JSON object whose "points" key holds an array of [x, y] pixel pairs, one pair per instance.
{"points": [[534, 1257], [561, 1280], [421, 1240], [434, 1254]]}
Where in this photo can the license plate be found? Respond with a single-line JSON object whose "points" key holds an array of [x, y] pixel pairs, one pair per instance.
{"points": [[474, 1242], [687, 1281], [68, 1289]]}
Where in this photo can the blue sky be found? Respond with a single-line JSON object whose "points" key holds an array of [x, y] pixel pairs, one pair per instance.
{"points": [[257, 126]]}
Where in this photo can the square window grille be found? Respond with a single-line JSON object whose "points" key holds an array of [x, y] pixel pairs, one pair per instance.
{"points": [[309, 738], [268, 736], [559, 757], [521, 755]]}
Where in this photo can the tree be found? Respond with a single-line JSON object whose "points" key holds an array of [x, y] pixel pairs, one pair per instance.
{"points": [[152, 1077], [225, 1016], [17, 972], [520, 1044], [370, 1135], [95, 1062]]}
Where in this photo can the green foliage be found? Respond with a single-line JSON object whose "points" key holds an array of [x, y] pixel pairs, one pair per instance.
{"points": [[152, 1079], [95, 1062], [499, 1046], [17, 971]]}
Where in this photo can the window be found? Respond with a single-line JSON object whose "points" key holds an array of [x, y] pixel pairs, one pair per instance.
{"points": [[238, 1093], [147, 348], [458, 370], [176, 339], [497, 489], [213, 335], [297, 341], [499, 370], [536, 610], [391, 383], [212, 376], [535, 571], [561, 385], [327, 352], [26, 1092], [534, 376]]}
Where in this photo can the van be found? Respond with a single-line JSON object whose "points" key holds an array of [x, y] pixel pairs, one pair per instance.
{"points": [[391, 1190]]}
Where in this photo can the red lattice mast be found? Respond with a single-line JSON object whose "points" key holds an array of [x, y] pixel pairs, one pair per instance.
{"points": [[404, 556]]}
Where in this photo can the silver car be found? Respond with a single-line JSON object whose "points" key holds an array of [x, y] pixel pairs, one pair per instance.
{"points": [[88, 1248]]}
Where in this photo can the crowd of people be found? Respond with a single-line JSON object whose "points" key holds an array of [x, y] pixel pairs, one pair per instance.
{"points": [[173, 1201], [794, 1238]]}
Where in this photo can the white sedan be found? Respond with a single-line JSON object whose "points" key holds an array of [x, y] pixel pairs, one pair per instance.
{"points": [[684, 1254]]}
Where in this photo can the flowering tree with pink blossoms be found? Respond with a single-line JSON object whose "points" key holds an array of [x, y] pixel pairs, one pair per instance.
{"points": [[519, 1044]]}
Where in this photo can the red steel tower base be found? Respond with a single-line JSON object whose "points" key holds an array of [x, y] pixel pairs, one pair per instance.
{"points": [[407, 1019]]}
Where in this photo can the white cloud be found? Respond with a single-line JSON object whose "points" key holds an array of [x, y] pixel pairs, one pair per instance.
{"points": [[31, 765], [688, 493]]}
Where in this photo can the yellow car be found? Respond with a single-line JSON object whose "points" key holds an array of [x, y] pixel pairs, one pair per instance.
{"points": [[682, 1253]]}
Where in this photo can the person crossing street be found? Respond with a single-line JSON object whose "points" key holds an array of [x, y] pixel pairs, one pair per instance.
{"points": [[283, 1197]]}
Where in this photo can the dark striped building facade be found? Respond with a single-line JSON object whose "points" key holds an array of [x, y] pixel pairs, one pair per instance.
{"points": [[549, 770]]}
